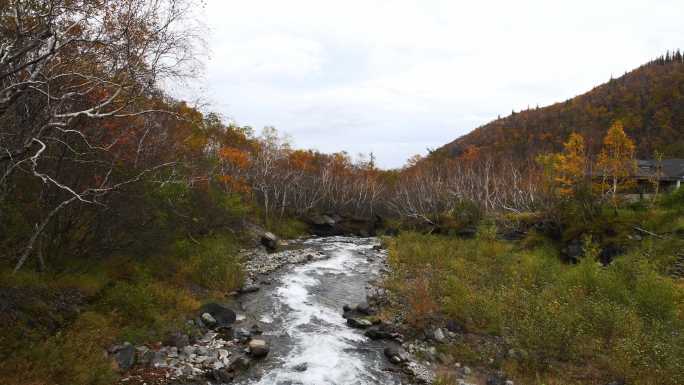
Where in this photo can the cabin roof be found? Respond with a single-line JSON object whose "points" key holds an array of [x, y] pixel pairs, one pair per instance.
{"points": [[672, 169]]}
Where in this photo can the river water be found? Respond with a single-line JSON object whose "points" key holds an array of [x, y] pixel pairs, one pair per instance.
{"points": [[300, 313]]}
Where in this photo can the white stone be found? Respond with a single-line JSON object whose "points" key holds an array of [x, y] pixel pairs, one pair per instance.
{"points": [[439, 335], [208, 318], [222, 354]]}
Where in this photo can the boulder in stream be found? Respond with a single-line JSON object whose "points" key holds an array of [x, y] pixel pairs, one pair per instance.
{"points": [[364, 308], [258, 348], [396, 354], [381, 331], [359, 323]]}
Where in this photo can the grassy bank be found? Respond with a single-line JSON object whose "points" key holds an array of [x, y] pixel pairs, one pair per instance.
{"points": [[56, 326], [554, 323]]}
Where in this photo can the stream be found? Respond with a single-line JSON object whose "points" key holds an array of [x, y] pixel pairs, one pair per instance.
{"points": [[300, 313]]}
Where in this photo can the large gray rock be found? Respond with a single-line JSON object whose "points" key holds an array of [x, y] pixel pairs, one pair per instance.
{"points": [[396, 355], [124, 356], [270, 241], [258, 348], [321, 220], [364, 308], [324, 225], [381, 331]]}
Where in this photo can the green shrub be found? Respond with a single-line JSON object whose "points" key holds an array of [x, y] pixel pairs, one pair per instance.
{"points": [[674, 200], [73, 356], [145, 310], [214, 263], [624, 320], [288, 228]]}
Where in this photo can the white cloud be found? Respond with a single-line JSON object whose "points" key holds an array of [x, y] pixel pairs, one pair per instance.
{"points": [[395, 77]]}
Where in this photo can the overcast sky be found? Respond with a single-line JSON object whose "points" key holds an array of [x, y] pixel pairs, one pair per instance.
{"points": [[397, 77]]}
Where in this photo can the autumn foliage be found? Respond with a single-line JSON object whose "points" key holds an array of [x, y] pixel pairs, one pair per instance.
{"points": [[616, 163], [647, 101]]}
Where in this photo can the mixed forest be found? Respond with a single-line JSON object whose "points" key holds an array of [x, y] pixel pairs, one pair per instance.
{"points": [[122, 209]]}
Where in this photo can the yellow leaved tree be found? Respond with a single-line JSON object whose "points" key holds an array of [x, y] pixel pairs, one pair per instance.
{"points": [[565, 172], [571, 166], [616, 164]]}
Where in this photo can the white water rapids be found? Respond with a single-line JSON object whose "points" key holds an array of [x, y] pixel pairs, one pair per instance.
{"points": [[302, 316]]}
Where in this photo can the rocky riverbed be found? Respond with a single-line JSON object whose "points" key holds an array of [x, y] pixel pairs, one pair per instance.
{"points": [[306, 315]]}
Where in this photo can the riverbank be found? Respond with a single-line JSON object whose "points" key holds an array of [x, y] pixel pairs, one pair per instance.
{"points": [[512, 310], [67, 325]]}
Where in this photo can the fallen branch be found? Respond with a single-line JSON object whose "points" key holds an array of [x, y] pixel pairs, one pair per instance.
{"points": [[637, 228]]}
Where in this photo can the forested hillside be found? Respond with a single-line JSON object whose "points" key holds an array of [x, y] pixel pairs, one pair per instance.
{"points": [[649, 101]]}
